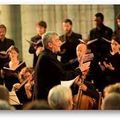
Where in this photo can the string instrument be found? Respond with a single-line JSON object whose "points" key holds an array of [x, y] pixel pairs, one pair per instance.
{"points": [[22, 84], [81, 101]]}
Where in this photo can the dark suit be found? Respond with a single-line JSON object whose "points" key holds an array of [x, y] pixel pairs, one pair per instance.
{"points": [[69, 47], [49, 72], [100, 48], [4, 45], [32, 50]]}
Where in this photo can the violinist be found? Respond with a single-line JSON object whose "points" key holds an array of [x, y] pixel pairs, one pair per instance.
{"points": [[5, 43], [26, 81]]}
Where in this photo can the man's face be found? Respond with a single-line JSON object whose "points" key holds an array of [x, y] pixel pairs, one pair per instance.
{"points": [[40, 30], [118, 22], [55, 44], [2, 33], [98, 21], [67, 27], [81, 50]]}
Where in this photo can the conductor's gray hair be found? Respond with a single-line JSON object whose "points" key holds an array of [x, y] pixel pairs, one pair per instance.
{"points": [[47, 38], [60, 97]]}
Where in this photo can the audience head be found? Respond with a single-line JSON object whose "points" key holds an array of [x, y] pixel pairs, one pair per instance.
{"points": [[115, 44], [4, 93], [67, 26], [5, 105], [37, 105], [60, 97], [114, 88], [52, 42], [2, 31], [111, 102], [99, 18], [41, 27]]}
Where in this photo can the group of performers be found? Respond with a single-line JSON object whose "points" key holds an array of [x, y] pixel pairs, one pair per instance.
{"points": [[93, 63]]}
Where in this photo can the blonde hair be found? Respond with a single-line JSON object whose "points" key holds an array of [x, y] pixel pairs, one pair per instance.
{"points": [[114, 88]]}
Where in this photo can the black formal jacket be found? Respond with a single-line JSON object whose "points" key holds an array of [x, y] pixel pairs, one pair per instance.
{"points": [[69, 46], [50, 72], [4, 45], [100, 48], [113, 76], [32, 49]]}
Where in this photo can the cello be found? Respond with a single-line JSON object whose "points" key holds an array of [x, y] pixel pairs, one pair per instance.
{"points": [[82, 101]]}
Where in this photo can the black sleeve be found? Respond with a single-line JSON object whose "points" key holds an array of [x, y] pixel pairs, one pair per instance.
{"points": [[31, 48], [69, 75]]}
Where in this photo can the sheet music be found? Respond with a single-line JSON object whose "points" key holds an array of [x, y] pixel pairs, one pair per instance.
{"points": [[13, 99]]}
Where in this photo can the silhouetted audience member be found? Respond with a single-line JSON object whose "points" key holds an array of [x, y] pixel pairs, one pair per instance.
{"points": [[5, 105], [4, 93], [37, 105], [111, 102]]}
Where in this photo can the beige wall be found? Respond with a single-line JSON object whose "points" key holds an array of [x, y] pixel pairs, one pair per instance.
{"points": [[81, 15]]}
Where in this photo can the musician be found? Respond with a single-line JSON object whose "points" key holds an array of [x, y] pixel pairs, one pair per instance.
{"points": [[49, 71], [25, 80], [70, 41], [5, 43], [10, 77], [117, 31], [111, 63], [41, 27], [100, 48]]}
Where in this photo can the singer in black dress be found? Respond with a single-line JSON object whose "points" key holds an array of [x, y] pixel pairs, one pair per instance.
{"points": [[12, 68]]}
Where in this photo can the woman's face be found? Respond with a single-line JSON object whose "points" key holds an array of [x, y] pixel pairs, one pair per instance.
{"points": [[28, 76], [115, 46], [13, 54]]}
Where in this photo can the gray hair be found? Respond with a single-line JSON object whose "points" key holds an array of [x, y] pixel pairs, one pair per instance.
{"points": [[60, 97], [47, 38]]}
